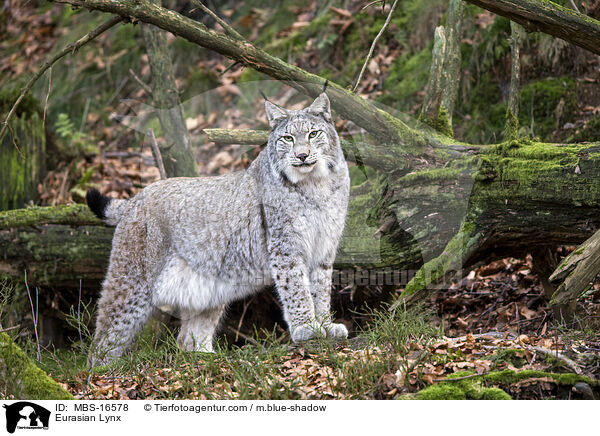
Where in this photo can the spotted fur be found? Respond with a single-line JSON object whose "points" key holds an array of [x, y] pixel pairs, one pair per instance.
{"points": [[197, 244]]}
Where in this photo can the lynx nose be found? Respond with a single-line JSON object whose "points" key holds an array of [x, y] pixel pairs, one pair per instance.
{"points": [[302, 156]]}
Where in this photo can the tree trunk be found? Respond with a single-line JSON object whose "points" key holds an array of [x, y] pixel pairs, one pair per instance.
{"points": [[176, 153], [22, 161]]}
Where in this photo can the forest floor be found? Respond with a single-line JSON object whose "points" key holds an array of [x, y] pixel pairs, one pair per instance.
{"points": [[492, 330], [491, 336]]}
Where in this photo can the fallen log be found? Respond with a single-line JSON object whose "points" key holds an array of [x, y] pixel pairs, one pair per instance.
{"points": [[575, 273], [506, 199]]}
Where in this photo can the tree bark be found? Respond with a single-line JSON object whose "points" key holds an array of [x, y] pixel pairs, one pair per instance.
{"points": [[511, 127], [432, 104], [22, 161], [575, 273], [176, 153], [452, 61]]}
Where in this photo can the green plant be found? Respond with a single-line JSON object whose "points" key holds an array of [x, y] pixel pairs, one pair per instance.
{"points": [[75, 141]]}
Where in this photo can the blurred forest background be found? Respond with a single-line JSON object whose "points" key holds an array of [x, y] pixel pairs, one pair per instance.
{"points": [[92, 111]]}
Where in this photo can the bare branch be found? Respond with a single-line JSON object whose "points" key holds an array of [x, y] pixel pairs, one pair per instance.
{"points": [[364, 67], [157, 155], [574, 5], [228, 29], [144, 86], [237, 136]]}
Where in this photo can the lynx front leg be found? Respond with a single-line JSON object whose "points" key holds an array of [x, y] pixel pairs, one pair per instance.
{"points": [[320, 288], [293, 287], [198, 329]]}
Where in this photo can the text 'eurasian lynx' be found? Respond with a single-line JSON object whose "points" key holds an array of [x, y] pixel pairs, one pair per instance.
{"points": [[197, 244]]}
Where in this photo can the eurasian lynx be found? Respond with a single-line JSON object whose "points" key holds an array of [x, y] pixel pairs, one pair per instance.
{"points": [[197, 244]]}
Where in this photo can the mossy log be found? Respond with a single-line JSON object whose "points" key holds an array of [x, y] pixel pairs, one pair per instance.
{"points": [[506, 199], [465, 385], [21, 379], [59, 257]]}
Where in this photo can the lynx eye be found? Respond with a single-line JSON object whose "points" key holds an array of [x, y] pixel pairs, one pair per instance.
{"points": [[288, 138], [313, 134]]}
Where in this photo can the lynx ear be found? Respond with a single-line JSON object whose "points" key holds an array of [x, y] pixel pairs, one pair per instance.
{"points": [[321, 107], [274, 113]]}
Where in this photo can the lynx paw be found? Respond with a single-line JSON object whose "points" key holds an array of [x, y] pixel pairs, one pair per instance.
{"points": [[305, 332], [336, 331]]}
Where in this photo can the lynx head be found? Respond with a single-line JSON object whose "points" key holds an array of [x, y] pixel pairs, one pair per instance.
{"points": [[303, 144]]}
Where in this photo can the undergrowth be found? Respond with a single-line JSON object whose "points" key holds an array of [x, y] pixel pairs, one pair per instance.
{"points": [[269, 368]]}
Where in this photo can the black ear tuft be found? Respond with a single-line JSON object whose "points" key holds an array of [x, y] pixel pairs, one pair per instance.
{"points": [[325, 86], [97, 202]]}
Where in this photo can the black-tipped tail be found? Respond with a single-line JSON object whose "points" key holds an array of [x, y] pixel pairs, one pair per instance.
{"points": [[97, 202]]}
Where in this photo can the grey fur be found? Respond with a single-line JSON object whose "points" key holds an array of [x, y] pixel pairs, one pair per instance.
{"points": [[197, 244]]}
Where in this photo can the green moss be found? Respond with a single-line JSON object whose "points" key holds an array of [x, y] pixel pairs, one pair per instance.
{"points": [[432, 174], [477, 387], [515, 357], [486, 170], [20, 378], [441, 123], [441, 392], [511, 128], [467, 389], [74, 214], [507, 377], [494, 394]]}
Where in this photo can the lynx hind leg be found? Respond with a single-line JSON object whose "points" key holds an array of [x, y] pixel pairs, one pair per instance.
{"points": [[123, 309], [198, 329], [125, 304]]}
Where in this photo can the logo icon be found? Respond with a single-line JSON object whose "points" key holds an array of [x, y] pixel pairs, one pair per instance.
{"points": [[26, 415]]}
